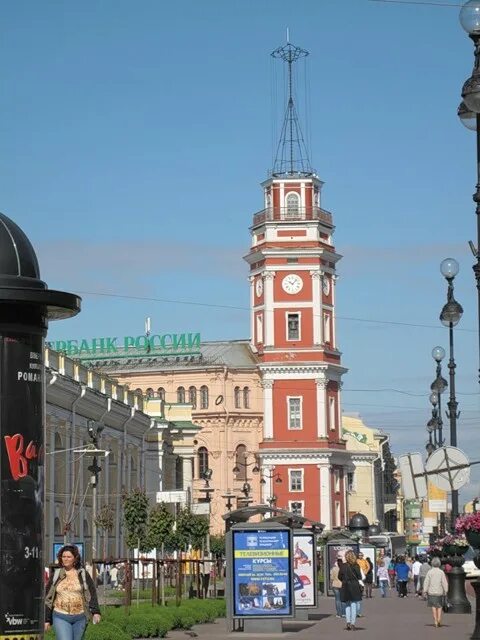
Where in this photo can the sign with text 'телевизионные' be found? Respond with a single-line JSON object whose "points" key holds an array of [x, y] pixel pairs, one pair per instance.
{"points": [[167, 344]]}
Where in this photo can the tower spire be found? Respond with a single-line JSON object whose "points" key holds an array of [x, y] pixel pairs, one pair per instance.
{"points": [[291, 157]]}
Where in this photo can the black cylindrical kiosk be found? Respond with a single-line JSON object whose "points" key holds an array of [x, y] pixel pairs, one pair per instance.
{"points": [[26, 305]]}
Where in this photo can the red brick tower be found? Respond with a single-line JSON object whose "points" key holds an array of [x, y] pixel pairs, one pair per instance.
{"points": [[292, 282]]}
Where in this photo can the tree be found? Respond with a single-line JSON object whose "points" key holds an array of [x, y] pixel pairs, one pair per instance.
{"points": [[105, 519], [217, 546], [135, 517], [191, 529], [159, 525]]}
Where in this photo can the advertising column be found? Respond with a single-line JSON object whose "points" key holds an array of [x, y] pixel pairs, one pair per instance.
{"points": [[262, 577], [22, 476]]}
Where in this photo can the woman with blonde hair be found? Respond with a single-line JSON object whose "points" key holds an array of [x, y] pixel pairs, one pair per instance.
{"points": [[350, 576], [435, 587]]}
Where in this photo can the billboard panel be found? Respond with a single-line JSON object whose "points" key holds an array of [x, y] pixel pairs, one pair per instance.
{"points": [[304, 587], [334, 551], [262, 572]]}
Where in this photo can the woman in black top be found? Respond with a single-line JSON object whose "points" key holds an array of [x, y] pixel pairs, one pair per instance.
{"points": [[351, 590], [369, 579]]}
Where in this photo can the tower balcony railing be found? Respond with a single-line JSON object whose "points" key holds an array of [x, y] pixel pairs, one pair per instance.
{"points": [[287, 214]]}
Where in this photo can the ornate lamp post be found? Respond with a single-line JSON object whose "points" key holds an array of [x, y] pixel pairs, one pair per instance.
{"points": [[469, 114], [207, 490], [450, 316]]}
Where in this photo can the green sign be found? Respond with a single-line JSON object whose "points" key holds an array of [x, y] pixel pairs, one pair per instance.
{"points": [[359, 437], [129, 346]]}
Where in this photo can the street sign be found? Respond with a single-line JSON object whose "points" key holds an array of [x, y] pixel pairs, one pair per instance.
{"points": [[448, 468], [414, 484]]}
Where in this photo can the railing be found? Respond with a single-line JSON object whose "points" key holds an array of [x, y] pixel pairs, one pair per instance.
{"points": [[287, 214]]}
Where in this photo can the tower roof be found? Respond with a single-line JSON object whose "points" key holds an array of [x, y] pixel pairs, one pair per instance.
{"points": [[291, 157]]}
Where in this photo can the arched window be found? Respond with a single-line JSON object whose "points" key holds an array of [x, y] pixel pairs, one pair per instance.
{"points": [[202, 461], [192, 397], [138, 391], [292, 204], [237, 397], [149, 393], [161, 393], [246, 397], [181, 394], [203, 397], [241, 462]]}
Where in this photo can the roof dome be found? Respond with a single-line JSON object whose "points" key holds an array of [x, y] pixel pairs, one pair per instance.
{"points": [[17, 256], [374, 530], [358, 522]]}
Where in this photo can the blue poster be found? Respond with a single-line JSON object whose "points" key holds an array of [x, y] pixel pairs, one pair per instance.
{"points": [[262, 573]]}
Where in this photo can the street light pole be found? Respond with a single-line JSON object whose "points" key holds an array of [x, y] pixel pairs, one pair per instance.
{"points": [[469, 114], [450, 316]]}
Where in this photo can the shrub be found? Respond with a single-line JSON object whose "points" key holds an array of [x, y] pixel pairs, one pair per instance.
{"points": [[105, 631]]}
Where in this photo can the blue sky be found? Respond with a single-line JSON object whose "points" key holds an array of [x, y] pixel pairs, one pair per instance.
{"points": [[135, 136]]}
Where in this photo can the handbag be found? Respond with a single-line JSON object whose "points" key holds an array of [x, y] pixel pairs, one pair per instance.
{"points": [[446, 604]]}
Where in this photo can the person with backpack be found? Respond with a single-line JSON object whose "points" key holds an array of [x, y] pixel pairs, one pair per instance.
{"points": [[70, 597]]}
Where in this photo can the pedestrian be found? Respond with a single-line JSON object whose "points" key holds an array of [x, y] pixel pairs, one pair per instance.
{"points": [[383, 579], [351, 590], [369, 579], [415, 574], [336, 585], [424, 569], [114, 576], [402, 572], [391, 572], [435, 588], [70, 597]]}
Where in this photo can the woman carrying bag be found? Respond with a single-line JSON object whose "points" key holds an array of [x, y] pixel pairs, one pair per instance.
{"points": [[350, 576], [70, 597], [435, 587]]}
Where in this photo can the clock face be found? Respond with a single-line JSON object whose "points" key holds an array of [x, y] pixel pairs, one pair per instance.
{"points": [[259, 287], [326, 285], [292, 283]]}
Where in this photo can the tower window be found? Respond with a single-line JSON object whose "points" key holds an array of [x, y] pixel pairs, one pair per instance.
{"points": [[292, 205], [293, 326], [331, 411], [296, 507], [295, 479], [259, 318], [246, 398], [241, 462], [192, 397], [294, 413], [181, 395], [326, 327]]}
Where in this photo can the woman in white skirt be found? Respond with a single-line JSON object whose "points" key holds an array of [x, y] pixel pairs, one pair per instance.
{"points": [[435, 588]]}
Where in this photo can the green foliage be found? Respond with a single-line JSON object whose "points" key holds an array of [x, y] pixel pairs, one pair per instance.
{"points": [[105, 631], [191, 529], [217, 545], [135, 516], [159, 525]]}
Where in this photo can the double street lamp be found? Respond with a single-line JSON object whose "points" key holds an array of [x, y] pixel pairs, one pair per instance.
{"points": [[450, 316], [469, 114]]}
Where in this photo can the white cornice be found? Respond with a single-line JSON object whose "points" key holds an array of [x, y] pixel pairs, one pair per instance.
{"points": [[308, 456], [276, 371]]}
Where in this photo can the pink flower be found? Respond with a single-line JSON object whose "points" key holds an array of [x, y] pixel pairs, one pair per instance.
{"points": [[468, 522]]}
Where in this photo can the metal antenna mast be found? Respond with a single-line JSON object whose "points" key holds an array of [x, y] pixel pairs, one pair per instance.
{"points": [[291, 157]]}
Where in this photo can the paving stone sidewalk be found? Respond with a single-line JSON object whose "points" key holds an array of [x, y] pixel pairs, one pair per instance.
{"points": [[390, 618]]}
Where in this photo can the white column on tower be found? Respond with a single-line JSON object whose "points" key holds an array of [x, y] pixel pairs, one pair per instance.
{"points": [[339, 407], [252, 312], [267, 408], [317, 310], [325, 495], [334, 321], [321, 384], [268, 306]]}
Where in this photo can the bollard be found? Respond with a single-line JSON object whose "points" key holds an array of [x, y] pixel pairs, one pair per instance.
{"points": [[26, 305]]}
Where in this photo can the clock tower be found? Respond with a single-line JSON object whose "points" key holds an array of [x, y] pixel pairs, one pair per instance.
{"points": [[292, 295]]}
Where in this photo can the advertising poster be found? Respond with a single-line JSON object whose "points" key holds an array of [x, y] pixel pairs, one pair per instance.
{"points": [[303, 570], [58, 545], [262, 573], [21, 496], [333, 552]]}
